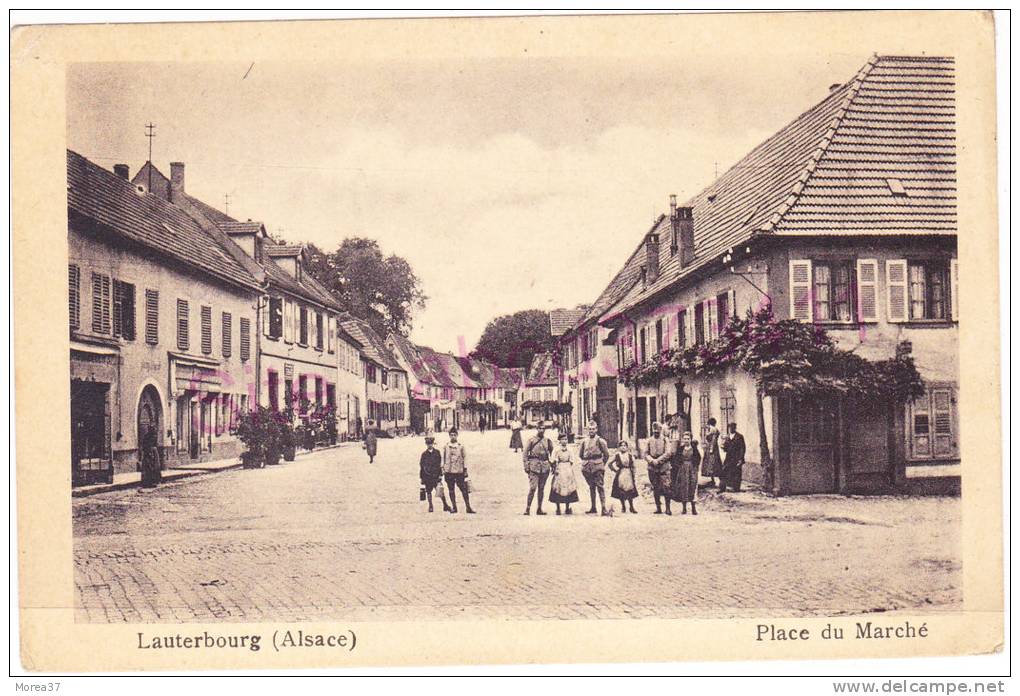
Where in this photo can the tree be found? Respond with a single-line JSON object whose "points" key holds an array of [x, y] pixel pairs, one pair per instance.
{"points": [[512, 340], [382, 290]]}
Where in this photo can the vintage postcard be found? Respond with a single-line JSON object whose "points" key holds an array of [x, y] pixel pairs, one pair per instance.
{"points": [[506, 340]]}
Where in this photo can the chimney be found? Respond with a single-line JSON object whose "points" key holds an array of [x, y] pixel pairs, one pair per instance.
{"points": [[176, 178], [651, 258], [684, 226], [674, 240], [122, 171]]}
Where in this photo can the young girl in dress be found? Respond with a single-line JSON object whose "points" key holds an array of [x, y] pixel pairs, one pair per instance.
{"points": [[564, 485], [624, 485]]}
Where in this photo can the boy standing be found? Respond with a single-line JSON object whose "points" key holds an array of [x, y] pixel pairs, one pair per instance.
{"points": [[455, 470]]}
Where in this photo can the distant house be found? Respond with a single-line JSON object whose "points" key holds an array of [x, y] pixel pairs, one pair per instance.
{"points": [[387, 402], [539, 395], [163, 327]]}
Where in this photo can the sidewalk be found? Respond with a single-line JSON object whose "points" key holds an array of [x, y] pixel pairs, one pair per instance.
{"points": [[131, 479]]}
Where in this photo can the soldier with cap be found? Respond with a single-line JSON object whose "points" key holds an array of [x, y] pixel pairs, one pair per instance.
{"points": [[594, 453], [659, 455], [537, 464]]}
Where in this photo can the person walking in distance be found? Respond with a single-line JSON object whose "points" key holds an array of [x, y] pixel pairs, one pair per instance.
{"points": [[563, 488], [537, 455], [659, 455], [371, 442], [594, 454], [516, 444], [430, 468], [685, 473], [711, 463], [733, 466], [455, 471]]}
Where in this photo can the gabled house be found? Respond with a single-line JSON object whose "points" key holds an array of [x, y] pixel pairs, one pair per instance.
{"points": [[845, 218], [163, 327], [539, 395], [387, 402], [297, 361]]}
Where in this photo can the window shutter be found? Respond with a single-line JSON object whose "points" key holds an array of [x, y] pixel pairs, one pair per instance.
{"points": [[152, 316], [124, 310], [681, 328], [867, 290], [896, 290], [733, 303], [711, 309], [332, 335], [943, 427], [227, 338], [264, 315], [100, 303], [245, 340], [118, 292], [206, 330], [953, 293], [182, 325], [74, 295], [800, 290]]}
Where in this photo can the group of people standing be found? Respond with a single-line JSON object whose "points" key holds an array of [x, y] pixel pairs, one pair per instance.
{"points": [[673, 469]]}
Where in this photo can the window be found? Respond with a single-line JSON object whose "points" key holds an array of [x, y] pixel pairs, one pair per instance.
{"points": [[699, 324], [725, 306], [288, 393], [206, 317], [931, 422], [929, 290], [74, 295], [681, 328], [182, 325], [303, 326], [728, 408], [275, 328], [245, 328], [832, 291], [643, 344], [288, 321], [124, 310], [705, 412], [318, 392], [303, 393], [370, 373], [658, 335], [319, 333], [274, 390], [100, 303], [331, 345], [227, 327], [152, 316]]}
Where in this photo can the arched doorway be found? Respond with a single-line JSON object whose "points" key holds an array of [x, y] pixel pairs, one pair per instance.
{"points": [[150, 414]]}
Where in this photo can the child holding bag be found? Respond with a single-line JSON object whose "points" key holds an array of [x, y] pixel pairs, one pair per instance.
{"points": [[624, 486]]}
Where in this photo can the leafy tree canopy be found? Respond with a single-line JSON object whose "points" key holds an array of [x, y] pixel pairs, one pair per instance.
{"points": [[512, 340], [382, 290]]}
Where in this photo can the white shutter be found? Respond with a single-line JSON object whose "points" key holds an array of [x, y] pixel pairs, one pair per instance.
{"points": [[801, 307], [287, 336], [953, 293], [733, 303], [896, 290], [867, 290], [265, 315], [712, 312]]}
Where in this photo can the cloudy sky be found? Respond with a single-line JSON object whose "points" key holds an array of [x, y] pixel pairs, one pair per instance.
{"points": [[508, 184]]}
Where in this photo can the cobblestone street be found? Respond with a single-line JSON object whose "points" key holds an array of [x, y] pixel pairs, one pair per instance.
{"points": [[331, 537]]}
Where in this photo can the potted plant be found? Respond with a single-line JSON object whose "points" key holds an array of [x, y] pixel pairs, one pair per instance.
{"points": [[255, 430]]}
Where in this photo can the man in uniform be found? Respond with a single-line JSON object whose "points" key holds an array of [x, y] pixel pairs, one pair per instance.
{"points": [[537, 454], [659, 455], [594, 454]]}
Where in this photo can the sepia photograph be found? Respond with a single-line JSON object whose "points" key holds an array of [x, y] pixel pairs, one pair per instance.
{"points": [[550, 336]]}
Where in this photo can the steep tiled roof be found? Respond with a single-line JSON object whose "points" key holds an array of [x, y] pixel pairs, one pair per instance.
{"points": [[563, 320], [119, 208], [284, 250], [542, 371], [835, 170], [212, 213], [410, 356], [373, 347]]}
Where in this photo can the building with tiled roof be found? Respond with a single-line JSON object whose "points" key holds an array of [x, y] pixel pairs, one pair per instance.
{"points": [[163, 328], [845, 218], [563, 320], [386, 380], [300, 343]]}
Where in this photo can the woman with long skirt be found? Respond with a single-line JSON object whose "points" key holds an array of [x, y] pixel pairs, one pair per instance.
{"points": [[686, 461]]}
